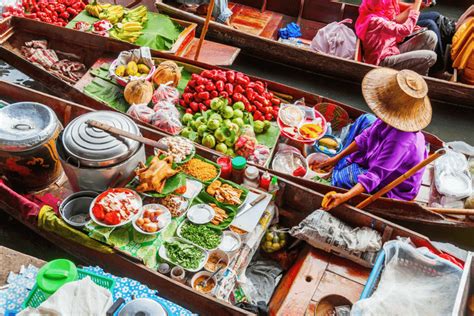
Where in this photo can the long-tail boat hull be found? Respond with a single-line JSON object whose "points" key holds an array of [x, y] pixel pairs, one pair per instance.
{"points": [[314, 15], [295, 292], [14, 32]]}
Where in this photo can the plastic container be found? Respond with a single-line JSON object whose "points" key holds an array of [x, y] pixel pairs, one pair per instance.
{"points": [[265, 181], [226, 167], [178, 274], [37, 296], [55, 274], [74, 209], [238, 169], [251, 179]]}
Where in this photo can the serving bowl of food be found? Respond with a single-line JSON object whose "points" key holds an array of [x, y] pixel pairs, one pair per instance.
{"points": [[203, 282], [152, 219], [313, 160], [176, 204], [115, 207], [216, 259], [180, 148]]}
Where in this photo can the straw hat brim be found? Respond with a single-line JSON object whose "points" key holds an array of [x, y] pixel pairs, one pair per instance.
{"points": [[405, 117]]}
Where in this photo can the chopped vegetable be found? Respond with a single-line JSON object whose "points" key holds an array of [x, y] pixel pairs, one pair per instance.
{"points": [[187, 256], [203, 236]]}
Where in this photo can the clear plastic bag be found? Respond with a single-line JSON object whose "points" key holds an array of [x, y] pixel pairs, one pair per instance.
{"points": [[166, 118], [414, 282], [141, 112], [451, 175], [260, 155], [166, 92]]}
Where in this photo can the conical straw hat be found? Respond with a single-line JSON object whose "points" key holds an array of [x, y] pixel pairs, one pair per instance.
{"points": [[398, 98]]}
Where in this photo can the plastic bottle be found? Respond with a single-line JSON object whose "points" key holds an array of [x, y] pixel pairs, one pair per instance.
{"points": [[251, 178], [273, 189], [265, 180], [238, 169]]}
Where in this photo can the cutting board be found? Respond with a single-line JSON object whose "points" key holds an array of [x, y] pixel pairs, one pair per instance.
{"points": [[249, 220]]}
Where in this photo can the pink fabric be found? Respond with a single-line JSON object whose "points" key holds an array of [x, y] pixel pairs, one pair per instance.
{"points": [[369, 9], [27, 209], [382, 37]]}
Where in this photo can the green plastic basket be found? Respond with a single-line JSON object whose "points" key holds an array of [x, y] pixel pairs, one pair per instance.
{"points": [[37, 296]]}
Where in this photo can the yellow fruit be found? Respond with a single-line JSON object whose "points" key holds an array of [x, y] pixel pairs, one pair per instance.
{"points": [[120, 71], [276, 246], [269, 237], [268, 244], [328, 143], [325, 201], [132, 68], [143, 69]]}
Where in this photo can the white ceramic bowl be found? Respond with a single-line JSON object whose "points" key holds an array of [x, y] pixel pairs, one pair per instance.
{"points": [[316, 157], [131, 217], [200, 214], [165, 216], [221, 255], [227, 237]]}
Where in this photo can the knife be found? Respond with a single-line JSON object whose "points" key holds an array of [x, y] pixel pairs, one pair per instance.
{"points": [[247, 206]]}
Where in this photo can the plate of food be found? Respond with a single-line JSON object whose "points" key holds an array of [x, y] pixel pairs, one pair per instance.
{"points": [[301, 123], [227, 192], [201, 169], [184, 254], [200, 235], [176, 204], [115, 207], [180, 148], [152, 219]]}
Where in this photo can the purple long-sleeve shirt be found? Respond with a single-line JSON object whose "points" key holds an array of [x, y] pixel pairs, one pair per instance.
{"points": [[387, 153]]}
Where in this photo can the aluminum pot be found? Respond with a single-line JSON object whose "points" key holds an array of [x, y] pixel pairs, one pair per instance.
{"points": [[94, 159], [28, 155], [74, 209]]}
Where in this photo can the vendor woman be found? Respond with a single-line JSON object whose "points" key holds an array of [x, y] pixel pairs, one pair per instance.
{"points": [[392, 145]]}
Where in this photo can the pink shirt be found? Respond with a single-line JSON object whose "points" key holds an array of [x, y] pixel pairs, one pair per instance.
{"points": [[383, 36]]}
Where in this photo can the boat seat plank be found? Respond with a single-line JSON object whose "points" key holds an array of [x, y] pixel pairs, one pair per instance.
{"points": [[13, 260], [213, 53], [249, 19], [334, 284], [348, 269]]}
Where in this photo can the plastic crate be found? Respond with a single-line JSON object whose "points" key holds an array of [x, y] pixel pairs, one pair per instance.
{"points": [[37, 296]]}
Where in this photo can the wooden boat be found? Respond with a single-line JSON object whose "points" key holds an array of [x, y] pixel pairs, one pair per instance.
{"points": [[96, 50], [312, 276], [258, 23]]}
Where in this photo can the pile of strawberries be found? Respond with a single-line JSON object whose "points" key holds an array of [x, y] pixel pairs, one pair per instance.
{"points": [[236, 87]]}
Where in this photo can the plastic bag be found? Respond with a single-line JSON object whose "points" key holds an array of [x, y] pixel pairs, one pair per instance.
{"points": [[166, 92], [139, 55], [141, 112], [451, 175], [414, 282], [167, 118], [321, 227], [260, 155], [245, 146]]}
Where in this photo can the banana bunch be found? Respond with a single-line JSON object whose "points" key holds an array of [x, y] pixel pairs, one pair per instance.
{"points": [[113, 14], [138, 14], [95, 8], [128, 31]]}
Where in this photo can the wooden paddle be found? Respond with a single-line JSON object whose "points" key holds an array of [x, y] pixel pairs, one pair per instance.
{"points": [[204, 29], [402, 178]]}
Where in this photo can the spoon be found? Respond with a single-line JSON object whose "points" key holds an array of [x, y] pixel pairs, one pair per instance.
{"points": [[204, 282]]}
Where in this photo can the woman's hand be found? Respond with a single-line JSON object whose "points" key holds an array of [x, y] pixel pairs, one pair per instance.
{"points": [[333, 199], [327, 164]]}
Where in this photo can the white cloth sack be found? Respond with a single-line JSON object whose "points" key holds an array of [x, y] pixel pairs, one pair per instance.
{"points": [[336, 39], [78, 298]]}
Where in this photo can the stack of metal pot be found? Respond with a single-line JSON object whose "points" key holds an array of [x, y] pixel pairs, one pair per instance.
{"points": [[28, 156], [94, 159]]}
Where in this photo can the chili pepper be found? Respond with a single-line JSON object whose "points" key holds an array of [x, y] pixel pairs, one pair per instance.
{"points": [[195, 76], [269, 116], [187, 89], [203, 95], [220, 86], [207, 102], [229, 88], [258, 105], [31, 15], [202, 107], [224, 94], [192, 83], [259, 89], [214, 94], [187, 97], [181, 102], [220, 77], [201, 81], [275, 101], [60, 7], [77, 5]]}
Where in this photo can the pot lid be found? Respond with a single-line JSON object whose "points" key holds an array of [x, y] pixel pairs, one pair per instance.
{"points": [[24, 125], [143, 307], [94, 147]]}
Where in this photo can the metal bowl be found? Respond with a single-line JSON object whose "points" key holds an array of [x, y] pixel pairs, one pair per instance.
{"points": [[75, 208]]}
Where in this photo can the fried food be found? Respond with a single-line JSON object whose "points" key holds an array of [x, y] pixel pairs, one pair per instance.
{"points": [[220, 216], [225, 193], [153, 177], [201, 170]]}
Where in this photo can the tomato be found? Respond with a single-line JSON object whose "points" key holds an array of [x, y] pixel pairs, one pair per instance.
{"points": [[112, 218], [98, 211], [180, 190]]}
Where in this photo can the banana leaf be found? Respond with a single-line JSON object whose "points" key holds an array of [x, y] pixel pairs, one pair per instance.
{"points": [[245, 192], [171, 185], [107, 92], [208, 161]]}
